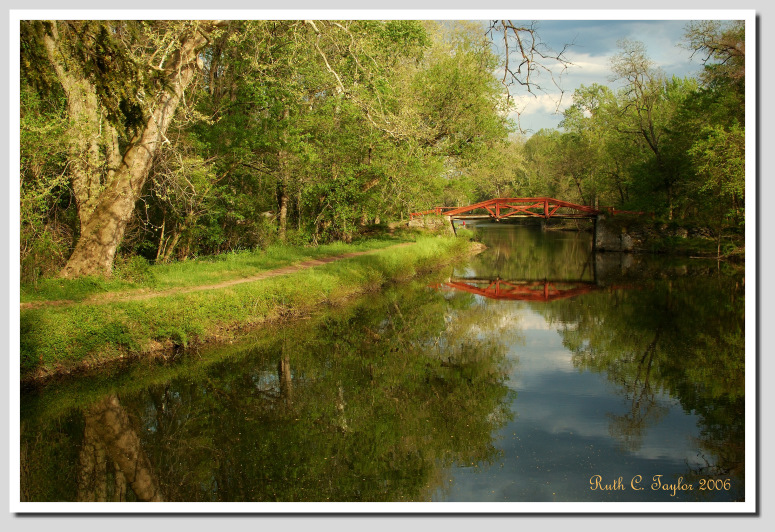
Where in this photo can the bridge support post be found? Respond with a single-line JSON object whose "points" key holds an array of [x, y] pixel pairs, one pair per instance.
{"points": [[611, 236]]}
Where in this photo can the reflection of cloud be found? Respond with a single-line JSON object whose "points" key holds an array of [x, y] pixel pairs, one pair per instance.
{"points": [[560, 399], [557, 400], [562, 403], [534, 321]]}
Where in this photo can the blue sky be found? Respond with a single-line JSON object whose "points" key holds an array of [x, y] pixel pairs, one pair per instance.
{"points": [[594, 42]]}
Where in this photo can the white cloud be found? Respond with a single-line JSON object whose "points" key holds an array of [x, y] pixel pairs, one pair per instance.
{"points": [[594, 43], [541, 103], [589, 65], [544, 110]]}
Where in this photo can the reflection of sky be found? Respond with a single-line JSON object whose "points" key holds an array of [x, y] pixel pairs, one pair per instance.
{"points": [[560, 434]]}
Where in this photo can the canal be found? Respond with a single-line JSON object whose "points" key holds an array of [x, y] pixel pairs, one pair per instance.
{"points": [[535, 371]]}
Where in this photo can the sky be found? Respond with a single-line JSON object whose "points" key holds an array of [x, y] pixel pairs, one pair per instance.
{"points": [[594, 42]]}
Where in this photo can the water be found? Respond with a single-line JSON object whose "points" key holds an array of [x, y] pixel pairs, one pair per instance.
{"points": [[537, 371]]}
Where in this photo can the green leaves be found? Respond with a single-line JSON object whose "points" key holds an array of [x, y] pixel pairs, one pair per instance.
{"points": [[719, 158]]}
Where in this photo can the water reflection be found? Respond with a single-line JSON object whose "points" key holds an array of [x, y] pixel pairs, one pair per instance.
{"points": [[665, 338], [521, 290], [612, 366], [369, 403], [109, 438]]}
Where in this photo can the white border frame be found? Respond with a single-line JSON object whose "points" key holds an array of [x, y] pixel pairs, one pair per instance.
{"points": [[752, 457]]}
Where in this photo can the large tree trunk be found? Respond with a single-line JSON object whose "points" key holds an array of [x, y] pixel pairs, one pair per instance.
{"points": [[106, 200], [92, 141]]}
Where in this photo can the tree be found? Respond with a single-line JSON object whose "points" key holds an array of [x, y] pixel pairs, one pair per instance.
{"points": [[46, 219], [123, 82], [719, 159], [309, 116], [713, 125], [593, 117], [500, 173], [721, 46], [205, 127], [648, 103]]}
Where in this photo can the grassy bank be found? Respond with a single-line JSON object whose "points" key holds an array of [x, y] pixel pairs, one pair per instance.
{"points": [[137, 274], [61, 339]]}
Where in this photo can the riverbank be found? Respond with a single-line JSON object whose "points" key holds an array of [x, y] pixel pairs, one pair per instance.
{"points": [[69, 338], [638, 235]]}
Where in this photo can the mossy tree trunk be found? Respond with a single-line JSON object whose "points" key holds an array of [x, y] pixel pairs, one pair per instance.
{"points": [[107, 180]]}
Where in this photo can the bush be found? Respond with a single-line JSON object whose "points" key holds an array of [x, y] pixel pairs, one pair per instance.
{"points": [[42, 254], [134, 269]]}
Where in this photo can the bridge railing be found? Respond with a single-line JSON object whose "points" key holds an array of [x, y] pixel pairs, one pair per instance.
{"points": [[540, 207]]}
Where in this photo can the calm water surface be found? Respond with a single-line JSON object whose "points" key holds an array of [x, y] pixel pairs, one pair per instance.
{"points": [[537, 371]]}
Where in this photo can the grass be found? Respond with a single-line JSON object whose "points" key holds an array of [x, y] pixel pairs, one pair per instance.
{"points": [[138, 274], [60, 339]]}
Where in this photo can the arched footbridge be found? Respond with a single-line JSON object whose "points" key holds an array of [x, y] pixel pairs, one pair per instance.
{"points": [[504, 208]]}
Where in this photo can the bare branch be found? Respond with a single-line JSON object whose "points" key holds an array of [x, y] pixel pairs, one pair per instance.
{"points": [[534, 56]]}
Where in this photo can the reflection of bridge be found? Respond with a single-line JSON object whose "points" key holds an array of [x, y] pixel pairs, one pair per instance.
{"points": [[545, 290], [501, 208]]}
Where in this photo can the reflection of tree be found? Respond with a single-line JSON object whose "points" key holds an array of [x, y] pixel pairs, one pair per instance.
{"points": [[683, 337], [630, 428], [286, 383], [369, 403], [110, 438], [524, 253]]}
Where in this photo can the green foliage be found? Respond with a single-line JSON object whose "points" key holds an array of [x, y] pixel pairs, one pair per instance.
{"points": [[719, 157], [135, 270], [721, 47], [46, 218], [666, 146], [358, 403]]}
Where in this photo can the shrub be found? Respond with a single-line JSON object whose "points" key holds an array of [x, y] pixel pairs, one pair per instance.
{"points": [[134, 269]]}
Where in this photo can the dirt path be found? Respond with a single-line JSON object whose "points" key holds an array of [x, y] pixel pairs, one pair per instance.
{"points": [[142, 294]]}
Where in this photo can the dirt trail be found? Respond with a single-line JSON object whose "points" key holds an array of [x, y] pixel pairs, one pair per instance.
{"points": [[142, 294]]}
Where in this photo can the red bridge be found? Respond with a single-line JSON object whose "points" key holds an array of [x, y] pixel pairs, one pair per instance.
{"points": [[500, 208]]}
